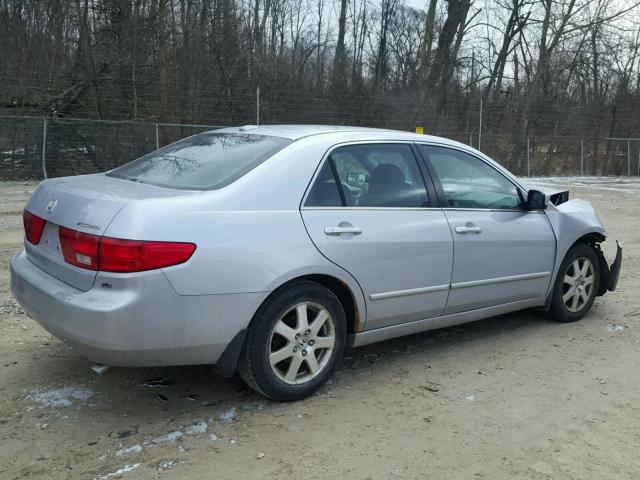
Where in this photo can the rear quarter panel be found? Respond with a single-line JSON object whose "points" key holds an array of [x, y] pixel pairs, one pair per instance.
{"points": [[249, 235]]}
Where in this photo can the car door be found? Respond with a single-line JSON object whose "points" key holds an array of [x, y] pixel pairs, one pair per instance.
{"points": [[503, 253], [368, 211]]}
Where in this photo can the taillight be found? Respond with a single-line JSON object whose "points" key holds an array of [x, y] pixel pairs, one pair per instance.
{"points": [[79, 249], [136, 256], [33, 227], [122, 256]]}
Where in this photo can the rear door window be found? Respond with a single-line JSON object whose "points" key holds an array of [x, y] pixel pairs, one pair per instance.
{"points": [[324, 192], [203, 162], [370, 175]]}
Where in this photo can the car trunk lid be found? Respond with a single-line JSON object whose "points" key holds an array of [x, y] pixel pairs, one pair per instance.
{"points": [[86, 204]]}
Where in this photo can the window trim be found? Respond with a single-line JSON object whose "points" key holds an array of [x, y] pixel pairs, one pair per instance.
{"points": [[432, 197], [336, 179], [440, 191]]}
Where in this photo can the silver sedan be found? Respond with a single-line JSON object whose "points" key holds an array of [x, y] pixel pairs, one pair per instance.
{"points": [[268, 250]]}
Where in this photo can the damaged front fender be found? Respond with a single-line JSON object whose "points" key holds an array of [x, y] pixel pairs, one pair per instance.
{"points": [[572, 221], [608, 274]]}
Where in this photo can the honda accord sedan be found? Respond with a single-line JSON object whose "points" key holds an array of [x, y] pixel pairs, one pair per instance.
{"points": [[269, 250]]}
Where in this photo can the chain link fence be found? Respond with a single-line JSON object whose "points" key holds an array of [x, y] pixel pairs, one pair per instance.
{"points": [[558, 156], [35, 148]]}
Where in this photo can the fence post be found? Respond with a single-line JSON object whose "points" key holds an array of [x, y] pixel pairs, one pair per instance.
{"points": [[157, 138], [628, 157], [471, 140], [480, 126], [44, 148], [258, 105], [581, 156], [528, 158]]}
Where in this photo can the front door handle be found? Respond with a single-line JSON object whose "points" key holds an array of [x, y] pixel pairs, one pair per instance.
{"points": [[340, 230], [468, 229]]}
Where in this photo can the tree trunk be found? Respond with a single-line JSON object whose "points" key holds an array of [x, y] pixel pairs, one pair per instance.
{"points": [[427, 44], [380, 72], [338, 59], [162, 61], [438, 79]]}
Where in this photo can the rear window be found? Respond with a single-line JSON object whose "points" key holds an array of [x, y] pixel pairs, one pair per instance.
{"points": [[203, 162]]}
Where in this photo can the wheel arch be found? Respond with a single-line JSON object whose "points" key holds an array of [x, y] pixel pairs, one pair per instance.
{"points": [[349, 295], [353, 311], [592, 238]]}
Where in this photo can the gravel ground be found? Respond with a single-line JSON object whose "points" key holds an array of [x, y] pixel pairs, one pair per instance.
{"points": [[512, 397]]}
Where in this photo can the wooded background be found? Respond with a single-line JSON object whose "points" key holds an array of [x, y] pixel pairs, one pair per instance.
{"points": [[542, 69]]}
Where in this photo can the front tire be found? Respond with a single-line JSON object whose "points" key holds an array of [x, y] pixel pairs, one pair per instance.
{"points": [[576, 284], [294, 342]]}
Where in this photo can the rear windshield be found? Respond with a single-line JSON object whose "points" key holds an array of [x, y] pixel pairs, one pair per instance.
{"points": [[203, 162]]}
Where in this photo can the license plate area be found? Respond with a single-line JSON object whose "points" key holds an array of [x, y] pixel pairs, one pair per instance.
{"points": [[50, 241]]}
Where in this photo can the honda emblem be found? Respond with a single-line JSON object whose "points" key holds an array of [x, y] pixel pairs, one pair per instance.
{"points": [[51, 205]]}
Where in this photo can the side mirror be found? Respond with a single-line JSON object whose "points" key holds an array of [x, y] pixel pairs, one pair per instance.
{"points": [[356, 179], [536, 200]]}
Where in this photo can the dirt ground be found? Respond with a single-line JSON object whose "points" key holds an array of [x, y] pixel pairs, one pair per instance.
{"points": [[512, 397]]}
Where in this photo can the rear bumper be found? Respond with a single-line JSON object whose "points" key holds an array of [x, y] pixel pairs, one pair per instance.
{"points": [[139, 321]]}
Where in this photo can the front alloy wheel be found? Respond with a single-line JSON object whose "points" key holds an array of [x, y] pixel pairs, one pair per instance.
{"points": [[576, 284]]}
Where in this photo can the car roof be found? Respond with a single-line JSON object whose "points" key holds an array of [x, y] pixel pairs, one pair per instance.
{"points": [[296, 132], [348, 133]]}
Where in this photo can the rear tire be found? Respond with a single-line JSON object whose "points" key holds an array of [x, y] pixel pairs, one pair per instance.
{"points": [[294, 342], [576, 284]]}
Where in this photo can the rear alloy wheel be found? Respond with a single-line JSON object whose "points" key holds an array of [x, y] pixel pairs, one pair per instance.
{"points": [[302, 342], [294, 342], [576, 285]]}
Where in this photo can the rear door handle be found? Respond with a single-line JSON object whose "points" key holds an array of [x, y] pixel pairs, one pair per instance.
{"points": [[468, 229], [340, 230]]}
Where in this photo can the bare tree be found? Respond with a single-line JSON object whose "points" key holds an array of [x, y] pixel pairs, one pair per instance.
{"points": [[541, 67], [516, 22], [387, 12]]}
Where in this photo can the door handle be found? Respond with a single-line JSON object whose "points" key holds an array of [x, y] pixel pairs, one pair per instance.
{"points": [[340, 230], [468, 229]]}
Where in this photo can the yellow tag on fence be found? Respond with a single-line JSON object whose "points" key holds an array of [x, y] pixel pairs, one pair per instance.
{"points": [[420, 130]]}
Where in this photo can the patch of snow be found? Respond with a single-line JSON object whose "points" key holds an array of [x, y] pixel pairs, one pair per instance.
{"points": [[61, 397], [615, 184], [471, 398], [229, 416], [168, 438], [119, 472], [129, 451], [257, 407], [169, 464], [614, 327], [199, 427]]}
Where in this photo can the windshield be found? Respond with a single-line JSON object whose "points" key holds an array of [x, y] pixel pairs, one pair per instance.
{"points": [[203, 162]]}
